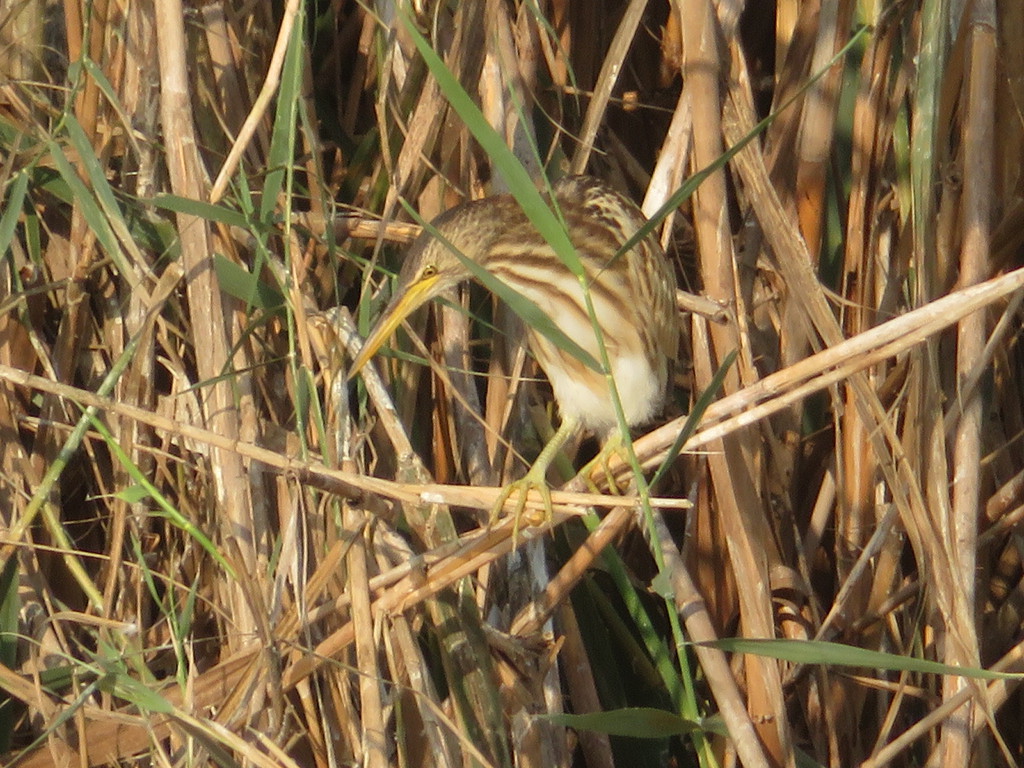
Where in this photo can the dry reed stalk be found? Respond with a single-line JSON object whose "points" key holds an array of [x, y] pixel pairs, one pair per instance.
{"points": [[750, 544], [241, 524], [968, 450]]}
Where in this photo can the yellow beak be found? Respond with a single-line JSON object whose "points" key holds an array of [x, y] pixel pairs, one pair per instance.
{"points": [[403, 305]]}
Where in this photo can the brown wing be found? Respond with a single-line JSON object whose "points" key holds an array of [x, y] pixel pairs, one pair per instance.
{"points": [[600, 213]]}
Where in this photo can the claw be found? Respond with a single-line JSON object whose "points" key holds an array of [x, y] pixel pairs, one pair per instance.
{"points": [[613, 446], [535, 478]]}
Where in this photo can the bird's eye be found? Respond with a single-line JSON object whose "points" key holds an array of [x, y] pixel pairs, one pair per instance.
{"points": [[428, 271]]}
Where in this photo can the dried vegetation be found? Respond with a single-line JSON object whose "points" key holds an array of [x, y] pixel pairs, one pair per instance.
{"points": [[213, 548]]}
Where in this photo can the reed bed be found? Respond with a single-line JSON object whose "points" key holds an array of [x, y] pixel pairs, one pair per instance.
{"points": [[216, 548]]}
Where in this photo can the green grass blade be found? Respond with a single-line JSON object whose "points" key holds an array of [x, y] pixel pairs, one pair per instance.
{"points": [[167, 509], [693, 418], [12, 210], [838, 655], [637, 722], [282, 140], [200, 209], [83, 198]]}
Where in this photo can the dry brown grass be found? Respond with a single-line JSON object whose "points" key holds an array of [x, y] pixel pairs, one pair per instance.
{"points": [[215, 549]]}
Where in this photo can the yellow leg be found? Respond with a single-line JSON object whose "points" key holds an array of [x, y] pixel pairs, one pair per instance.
{"points": [[536, 477]]}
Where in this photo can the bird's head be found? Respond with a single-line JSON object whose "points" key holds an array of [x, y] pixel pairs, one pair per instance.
{"points": [[431, 267]]}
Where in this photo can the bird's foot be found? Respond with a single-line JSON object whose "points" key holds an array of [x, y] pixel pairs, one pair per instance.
{"points": [[601, 464], [535, 479]]}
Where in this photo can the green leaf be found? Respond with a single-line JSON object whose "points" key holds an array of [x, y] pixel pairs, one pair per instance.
{"points": [[839, 655], [49, 180], [10, 605], [165, 508], [138, 693], [520, 184], [133, 494], [638, 722], [12, 210], [695, 416], [245, 286], [282, 140], [87, 204], [208, 211], [104, 194]]}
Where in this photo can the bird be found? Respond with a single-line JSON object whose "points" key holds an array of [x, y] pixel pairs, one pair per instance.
{"points": [[632, 294]]}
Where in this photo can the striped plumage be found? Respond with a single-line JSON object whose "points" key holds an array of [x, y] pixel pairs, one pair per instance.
{"points": [[633, 296]]}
